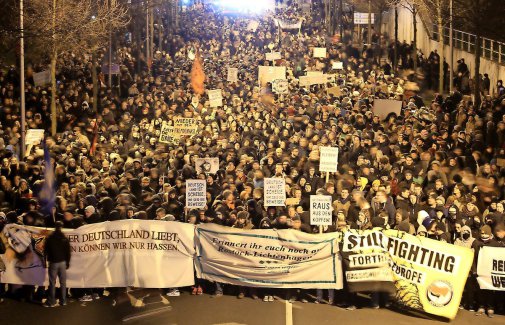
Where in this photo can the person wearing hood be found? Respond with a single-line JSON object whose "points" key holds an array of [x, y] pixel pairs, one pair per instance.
{"points": [[465, 239], [486, 298]]}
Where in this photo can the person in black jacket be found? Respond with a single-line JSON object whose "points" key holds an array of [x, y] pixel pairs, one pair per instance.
{"points": [[57, 252]]}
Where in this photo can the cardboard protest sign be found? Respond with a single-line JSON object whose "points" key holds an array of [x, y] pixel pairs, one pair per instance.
{"points": [[319, 52], [272, 56], [320, 210], [269, 74], [185, 127], [215, 98], [292, 201], [337, 65], [491, 268], [107, 254], [34, 136], [166, 134], [429, 275], [232, 75], [196, 193], [280, 86], [268, 258], [206, 165], [384, 107], [41, 79], [500, 162], [335, 91], [274, 192], [328, 159]]}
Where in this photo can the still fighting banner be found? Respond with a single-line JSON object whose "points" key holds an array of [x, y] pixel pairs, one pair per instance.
{"points": [[491, 268], [149, 254], [429, 275], [268, 258]]}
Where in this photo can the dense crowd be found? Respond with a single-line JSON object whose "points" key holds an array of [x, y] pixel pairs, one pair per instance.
{"points": [[437, 170]]}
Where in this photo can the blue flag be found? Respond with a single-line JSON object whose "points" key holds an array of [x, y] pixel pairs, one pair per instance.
{"points": [[47, 194]]}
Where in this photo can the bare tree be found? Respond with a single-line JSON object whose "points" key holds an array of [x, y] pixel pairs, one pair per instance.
{"points": [[78, 26], [482, 18], [439, 10]]}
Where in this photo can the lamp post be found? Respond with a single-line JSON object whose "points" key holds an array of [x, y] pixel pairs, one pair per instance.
{"points": [[451, 47], [22, 76]]}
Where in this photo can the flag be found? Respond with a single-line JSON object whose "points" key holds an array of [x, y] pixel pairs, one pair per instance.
{"points": [[47, 194], [197, 75], [92, 150]]}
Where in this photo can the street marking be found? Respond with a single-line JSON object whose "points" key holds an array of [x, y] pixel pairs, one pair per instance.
{"points": [[289, 313]]}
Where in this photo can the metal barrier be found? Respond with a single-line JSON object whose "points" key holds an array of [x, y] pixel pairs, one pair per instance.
{"points": [[490, 49]]}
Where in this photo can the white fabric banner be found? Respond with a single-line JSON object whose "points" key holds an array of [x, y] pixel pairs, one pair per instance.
{"points": [[491, 268], [268, 258], [139, 253], [269, 74]]}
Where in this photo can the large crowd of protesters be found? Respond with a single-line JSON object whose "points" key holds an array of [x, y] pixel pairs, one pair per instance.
{"points": [[437, 170]]}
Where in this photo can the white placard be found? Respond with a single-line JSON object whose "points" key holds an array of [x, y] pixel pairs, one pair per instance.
{"points": [[196, 193], [34, 136], [319, 52], [206, 165], [337, 65], [215, 98], [274, 192], [491, 268], [42, 78], [384, 107], [269, 74], [328, 160], [280, 86], [272, 56], [361, 18], [320, 210], [166, 134], [232, 75]]}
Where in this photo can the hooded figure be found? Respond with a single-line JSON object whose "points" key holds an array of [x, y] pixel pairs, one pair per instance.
{"points": [[466, 239]]}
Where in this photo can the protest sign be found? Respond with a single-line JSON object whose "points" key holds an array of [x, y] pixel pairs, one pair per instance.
{"points": [[41, 79], [274, 192], [206, 165], [272, 56], [328, 159], [500, 162], [491, 268], [319, 52], [362, 18], [428, 275], [232, 75], [384, 107], [304, 81], [269, 74], [292, 201], [109, 254], [215, 98], [184, 126], [335, 91], [280, 86], [196, 193], [320, 210], [337, 65], [34, 136], [268, 258], [166, 134]]}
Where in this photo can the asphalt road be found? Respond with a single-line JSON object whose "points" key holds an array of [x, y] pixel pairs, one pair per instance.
{"points": [[205, 309]]}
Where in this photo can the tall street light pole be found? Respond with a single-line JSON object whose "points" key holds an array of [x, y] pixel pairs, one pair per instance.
{"points": [[451, 46], [22, 76]]}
